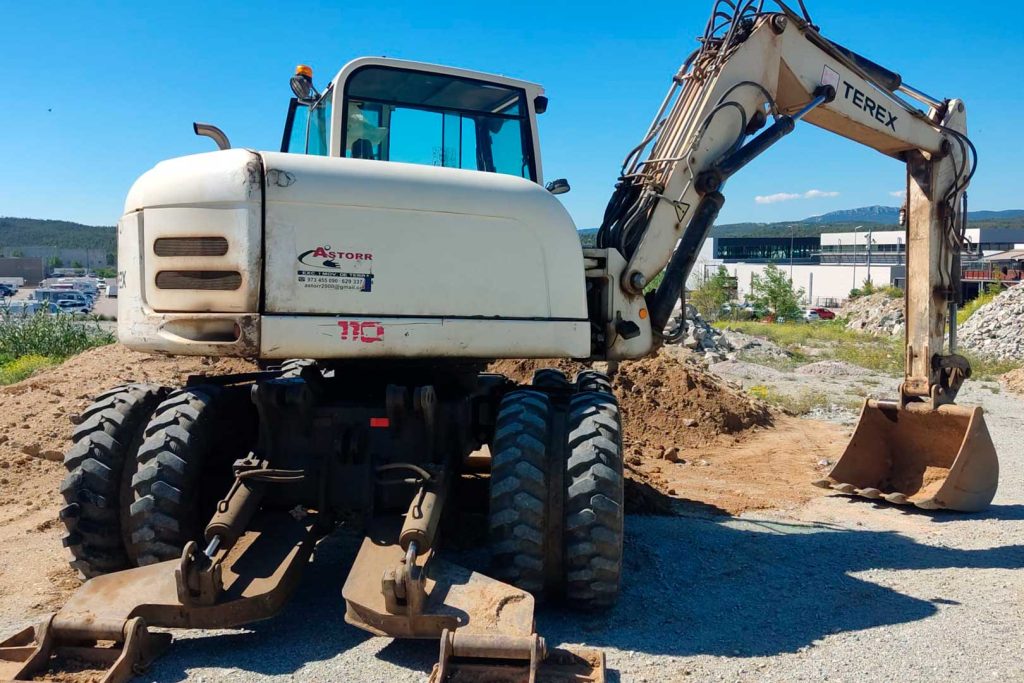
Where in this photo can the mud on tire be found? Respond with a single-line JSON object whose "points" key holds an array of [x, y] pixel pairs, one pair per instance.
{"points": [[97, 489], [518, 495], [593, 501], [176, 483]]}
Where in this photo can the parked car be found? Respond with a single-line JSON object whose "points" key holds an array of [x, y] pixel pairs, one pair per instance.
{"points": [[6, 290], [811, 315], [823, 313], [23, 308]]}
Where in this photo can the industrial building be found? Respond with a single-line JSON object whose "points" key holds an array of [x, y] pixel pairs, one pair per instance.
{"points": [[828, 266]]}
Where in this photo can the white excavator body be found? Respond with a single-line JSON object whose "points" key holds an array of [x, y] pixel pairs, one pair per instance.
{"points": [[427, 234]]}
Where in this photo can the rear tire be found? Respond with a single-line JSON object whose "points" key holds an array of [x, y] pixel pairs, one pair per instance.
{"points": [[173, 485], [593, 502], [592, 380], [549, 378], [97, 488], [519, 490]]}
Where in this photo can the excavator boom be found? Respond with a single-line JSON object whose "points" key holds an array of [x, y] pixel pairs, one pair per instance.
{"points": [[757, 75]]}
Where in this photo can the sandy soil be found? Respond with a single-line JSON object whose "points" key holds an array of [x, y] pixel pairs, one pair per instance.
{"points": [[1014, 380], [36, 420]]}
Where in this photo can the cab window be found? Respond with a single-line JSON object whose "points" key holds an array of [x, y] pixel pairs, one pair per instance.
{"points": [[307, 127], [437, 120]]}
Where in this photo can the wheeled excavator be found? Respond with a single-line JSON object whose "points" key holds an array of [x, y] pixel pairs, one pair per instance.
{"points": [[402, 238]]}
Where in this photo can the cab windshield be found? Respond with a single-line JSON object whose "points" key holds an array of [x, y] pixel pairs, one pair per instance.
{"points": [[437, 120]]}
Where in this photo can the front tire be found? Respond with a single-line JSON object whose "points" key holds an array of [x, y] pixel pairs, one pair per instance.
{"points": [[97, 488], [176, 482], [519, 490], [593, 502]]}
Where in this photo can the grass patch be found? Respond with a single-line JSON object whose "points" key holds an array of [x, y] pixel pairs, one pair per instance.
{"points": [[990, 369], [23, 368], [974, 304], [830, 339], [29, 343], [881, 354], [796, 404]]}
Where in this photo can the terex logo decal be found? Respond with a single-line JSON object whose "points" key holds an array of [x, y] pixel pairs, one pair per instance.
{"points": [[862, 101], [366, 332]]}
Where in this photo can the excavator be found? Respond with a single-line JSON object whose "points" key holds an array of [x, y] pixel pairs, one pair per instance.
{"points": [[401, 239]]}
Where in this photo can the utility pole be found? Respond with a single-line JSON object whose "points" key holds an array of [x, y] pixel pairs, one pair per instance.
{"points": [[792, 228], [870, 240], [855, 256]]}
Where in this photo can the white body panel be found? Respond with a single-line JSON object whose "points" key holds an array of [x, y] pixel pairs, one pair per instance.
{"points": [[402, 239], [465, 264]]}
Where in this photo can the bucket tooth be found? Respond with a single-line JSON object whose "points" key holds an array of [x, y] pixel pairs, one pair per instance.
{"points": [[897, 498], [870, 492], [822, 483], [845, 488]]}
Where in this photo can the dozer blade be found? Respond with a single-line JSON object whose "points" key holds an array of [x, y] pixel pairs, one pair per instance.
{"points": [[929, 457], [486, 626], [101, 634]]}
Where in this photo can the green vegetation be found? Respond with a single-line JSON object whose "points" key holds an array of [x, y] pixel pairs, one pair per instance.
{"points": [[773, 290], [32, 232], [831, 340], [713, 293], [795, 404], [30, 343], [24, 367], [974, 304]]}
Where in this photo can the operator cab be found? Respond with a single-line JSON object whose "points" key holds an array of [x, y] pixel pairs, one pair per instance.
{"points": [[392, 110]]}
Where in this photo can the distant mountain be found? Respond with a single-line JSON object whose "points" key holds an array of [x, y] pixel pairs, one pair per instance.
{"points": [[842, 221], [865, 214], [995, 215]]}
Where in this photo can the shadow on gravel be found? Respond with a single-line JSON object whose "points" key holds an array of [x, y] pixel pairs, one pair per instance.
{"points": [[696, 584], [735, 587], [997, 512], [311, 629]]}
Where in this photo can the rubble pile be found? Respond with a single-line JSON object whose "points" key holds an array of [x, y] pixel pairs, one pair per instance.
{"points": [[877, 314], [701, 338], [996, 330]]}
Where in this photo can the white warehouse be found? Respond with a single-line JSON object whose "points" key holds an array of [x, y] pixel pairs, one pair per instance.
{"points": [[828, 266]]}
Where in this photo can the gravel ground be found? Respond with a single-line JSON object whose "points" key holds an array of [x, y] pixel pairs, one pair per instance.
{"points": [[839, 589]]}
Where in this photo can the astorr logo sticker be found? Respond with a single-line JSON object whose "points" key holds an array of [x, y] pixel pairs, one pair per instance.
{"points": [[325, 267]]}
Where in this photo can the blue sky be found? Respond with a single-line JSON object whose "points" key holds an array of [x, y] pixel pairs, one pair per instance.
{"points": [[96, 93]]}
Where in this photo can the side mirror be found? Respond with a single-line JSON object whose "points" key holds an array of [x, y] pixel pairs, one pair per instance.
{"points": [[559, 186], [212, 132]]}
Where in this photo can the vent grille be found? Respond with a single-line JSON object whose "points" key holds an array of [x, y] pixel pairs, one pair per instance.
{"points": [[190, 246], [220, 280]]}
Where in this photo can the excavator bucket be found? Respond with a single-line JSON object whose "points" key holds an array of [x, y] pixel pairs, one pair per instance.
{"points": [[933, 458]]}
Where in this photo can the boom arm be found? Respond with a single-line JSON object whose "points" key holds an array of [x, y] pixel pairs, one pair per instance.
{"points": [[753, 67]]}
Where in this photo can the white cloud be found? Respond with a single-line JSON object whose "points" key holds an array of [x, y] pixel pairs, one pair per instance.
{"points": [[787, 196], [898, 193], [777, 197]]}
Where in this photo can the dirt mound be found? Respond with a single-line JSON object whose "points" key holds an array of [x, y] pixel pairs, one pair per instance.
{"points": [[36, 420], [697, 444], [667, 401], [1014, 380]]}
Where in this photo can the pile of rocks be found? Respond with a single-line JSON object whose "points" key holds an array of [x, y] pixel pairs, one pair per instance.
{"points": [[996, 329], [700, 337], [878, 314]]}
